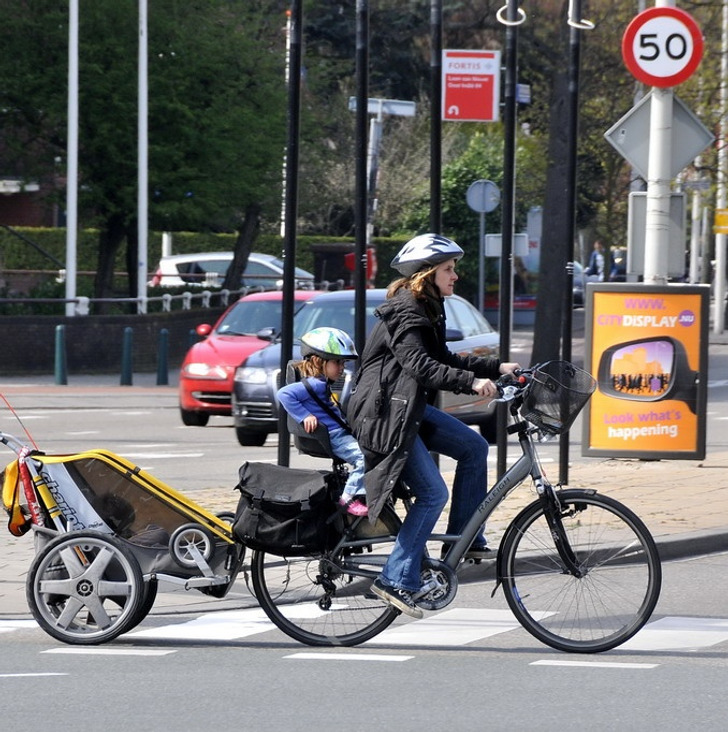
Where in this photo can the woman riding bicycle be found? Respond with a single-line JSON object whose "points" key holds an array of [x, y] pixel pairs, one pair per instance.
{"points": [[404, 364]]}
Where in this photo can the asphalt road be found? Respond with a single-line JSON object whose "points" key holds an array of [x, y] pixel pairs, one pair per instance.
{"points": [[464, 668], [671, 676]]}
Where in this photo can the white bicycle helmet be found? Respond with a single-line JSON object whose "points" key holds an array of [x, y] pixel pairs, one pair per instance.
{"points": [[425, 250], [329, 343]]}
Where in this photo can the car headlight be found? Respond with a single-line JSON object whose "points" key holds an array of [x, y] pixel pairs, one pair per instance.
{"points": [[251, 375], [204, 371]]}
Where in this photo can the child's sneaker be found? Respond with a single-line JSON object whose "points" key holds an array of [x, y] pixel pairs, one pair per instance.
{"points": [[354, 506]]}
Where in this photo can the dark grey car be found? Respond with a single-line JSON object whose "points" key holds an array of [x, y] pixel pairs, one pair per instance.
{"points": [[254, 402]]}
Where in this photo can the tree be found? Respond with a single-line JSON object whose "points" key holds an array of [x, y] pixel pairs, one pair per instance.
{"points": [[216, 112], [482, 158]]}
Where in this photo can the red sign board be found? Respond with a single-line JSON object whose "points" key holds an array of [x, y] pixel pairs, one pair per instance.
{"points": [[470, 86], [662, 46]]}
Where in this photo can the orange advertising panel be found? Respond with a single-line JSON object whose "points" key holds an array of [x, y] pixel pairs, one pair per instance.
{"points": [[647, 348]]}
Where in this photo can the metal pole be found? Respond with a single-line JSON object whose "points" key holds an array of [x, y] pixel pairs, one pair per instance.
{"points": [[695, 221], [570, 197], [481, 263], [127, 347], [436, 121], [657, 225], [287, 77], [720, 203], [375, 139], [289, 243], [61, 372], [163, 358], [509, 196], [361, 203], [72, 160], [143, 155]]}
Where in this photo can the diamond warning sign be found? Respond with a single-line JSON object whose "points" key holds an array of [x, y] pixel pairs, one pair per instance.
{"points": [[470, 86]]}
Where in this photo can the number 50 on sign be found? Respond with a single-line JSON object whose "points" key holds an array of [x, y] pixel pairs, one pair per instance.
{"points": [[662, 46]]}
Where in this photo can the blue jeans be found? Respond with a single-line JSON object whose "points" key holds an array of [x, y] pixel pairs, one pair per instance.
{"points": [[441, 433], [346, 447]]}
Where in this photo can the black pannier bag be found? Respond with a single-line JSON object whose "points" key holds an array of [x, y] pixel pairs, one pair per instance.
{"points": [[287, 511]]}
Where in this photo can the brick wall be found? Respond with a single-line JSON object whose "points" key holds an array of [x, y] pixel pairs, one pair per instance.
{"points": [[94, 344]]}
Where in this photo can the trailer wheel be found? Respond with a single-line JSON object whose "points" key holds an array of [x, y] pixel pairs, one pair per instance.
{"points": [[85, 588], [188, 542]]}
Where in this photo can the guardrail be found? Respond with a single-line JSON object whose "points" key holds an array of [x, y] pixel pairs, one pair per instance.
{"points": [[206, 298]]}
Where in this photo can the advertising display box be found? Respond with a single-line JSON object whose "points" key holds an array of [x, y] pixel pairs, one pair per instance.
{"points": [[647, 347]]}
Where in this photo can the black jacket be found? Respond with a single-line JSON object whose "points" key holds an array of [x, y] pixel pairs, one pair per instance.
{"points": [[404, 364]]}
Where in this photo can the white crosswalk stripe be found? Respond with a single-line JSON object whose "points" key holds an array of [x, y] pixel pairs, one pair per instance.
{"points": [[226, 625], [450, 628], [679, 634], [456, 627]]}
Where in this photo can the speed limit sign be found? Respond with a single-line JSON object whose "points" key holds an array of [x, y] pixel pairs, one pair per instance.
{"points": [[662, 46]]}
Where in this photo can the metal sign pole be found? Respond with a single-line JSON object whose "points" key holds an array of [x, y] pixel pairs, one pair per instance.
{"points": [[291, 214]]}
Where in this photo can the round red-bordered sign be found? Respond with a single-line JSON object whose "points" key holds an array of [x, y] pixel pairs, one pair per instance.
{"points": [[662, 46]]}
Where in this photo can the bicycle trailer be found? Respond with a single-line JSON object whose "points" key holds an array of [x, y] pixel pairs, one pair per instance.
{"points": [[106, 532]]}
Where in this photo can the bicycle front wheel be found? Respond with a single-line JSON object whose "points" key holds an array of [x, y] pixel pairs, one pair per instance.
{"points": [[608, 599], [325, 600]]}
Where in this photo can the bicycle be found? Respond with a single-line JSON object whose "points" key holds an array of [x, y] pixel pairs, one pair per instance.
{"points": [[580, 571]]}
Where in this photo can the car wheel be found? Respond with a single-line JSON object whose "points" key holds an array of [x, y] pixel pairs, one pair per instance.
{"points": [[194, 419], [250, 438]]}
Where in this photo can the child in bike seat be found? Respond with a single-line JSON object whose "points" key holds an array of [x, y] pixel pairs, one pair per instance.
{"points": [[312, 403]]}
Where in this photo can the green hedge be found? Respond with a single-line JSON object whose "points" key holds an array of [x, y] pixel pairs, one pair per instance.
{"points": [[19, 254]]}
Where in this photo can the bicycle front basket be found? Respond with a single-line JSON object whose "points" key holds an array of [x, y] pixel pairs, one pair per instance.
{"points": [[557, 393]]}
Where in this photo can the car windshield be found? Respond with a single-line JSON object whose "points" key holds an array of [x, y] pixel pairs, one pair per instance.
{"points": [[331, 314], [250, 316]]}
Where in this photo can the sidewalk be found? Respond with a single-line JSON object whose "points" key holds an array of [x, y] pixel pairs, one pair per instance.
{"points": [[683, 502]]}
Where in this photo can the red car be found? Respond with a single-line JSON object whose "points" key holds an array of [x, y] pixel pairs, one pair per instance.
{"points": [[206, 376]]}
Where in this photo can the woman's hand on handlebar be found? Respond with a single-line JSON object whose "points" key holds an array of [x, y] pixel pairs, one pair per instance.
{"points": [[511, 381], [487, 388], [510, 368], [484, 387]]}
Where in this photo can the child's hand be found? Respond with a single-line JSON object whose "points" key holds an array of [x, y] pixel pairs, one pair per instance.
{"points": [[310, 423]]}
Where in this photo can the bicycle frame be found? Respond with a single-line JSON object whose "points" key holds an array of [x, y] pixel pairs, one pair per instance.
{"points": [[527, 464]]}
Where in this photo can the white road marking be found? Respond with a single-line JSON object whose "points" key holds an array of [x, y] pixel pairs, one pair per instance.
{"points": [[108, 651], [161, 455], [455, 627], [595, 664], [225, 625], [347, 657], [20, 676], [451, 628], [679, 634], [6, 626]]}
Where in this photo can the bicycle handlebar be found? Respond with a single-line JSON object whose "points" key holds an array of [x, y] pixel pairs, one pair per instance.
{"points": [[511, 386]]}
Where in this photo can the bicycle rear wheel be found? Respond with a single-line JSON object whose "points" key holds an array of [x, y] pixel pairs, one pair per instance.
{"points": [[316, 601], [619, 567]]}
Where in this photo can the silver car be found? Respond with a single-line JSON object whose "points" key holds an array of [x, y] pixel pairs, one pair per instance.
{"points": [[257, 379], [208, 269]]}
